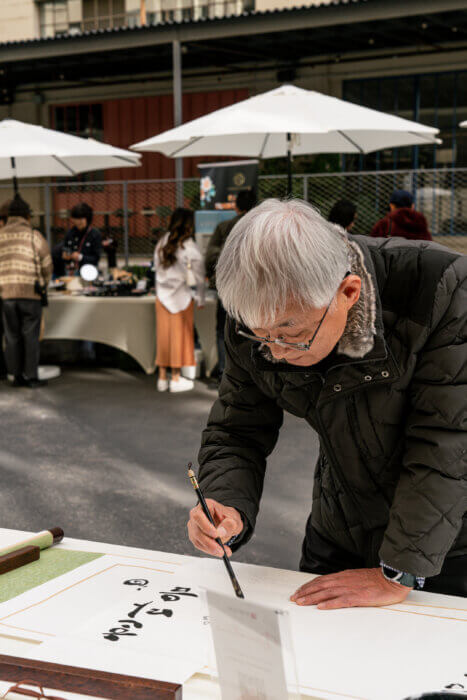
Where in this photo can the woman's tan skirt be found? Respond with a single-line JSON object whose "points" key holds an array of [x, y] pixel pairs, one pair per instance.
{"points": [[174, 337]]}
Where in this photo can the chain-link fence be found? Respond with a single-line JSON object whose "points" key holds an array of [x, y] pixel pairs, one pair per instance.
{"points": [[135, 212], [441, 195]]}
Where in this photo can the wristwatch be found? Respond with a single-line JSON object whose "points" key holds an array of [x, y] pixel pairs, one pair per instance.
{"points": [[401, 577]]}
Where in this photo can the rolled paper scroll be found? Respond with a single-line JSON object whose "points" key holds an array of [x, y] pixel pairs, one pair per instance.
{"points": [[43, 540]]}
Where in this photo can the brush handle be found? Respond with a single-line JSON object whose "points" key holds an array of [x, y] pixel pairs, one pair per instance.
{"points": [[207, 512]]}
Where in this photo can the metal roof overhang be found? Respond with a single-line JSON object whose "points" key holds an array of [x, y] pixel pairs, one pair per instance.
{"points": [[285, 37]]}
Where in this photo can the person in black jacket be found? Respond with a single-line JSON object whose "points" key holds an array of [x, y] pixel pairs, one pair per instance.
{"points": [[246, 200], [82, 244], [366, 340]]}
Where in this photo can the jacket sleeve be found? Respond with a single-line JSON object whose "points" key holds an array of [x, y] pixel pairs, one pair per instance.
{"points": [[45, 257], [431, 496], [212, 254], [426, 233], [197, 266], [378, 230], [242, 431]]}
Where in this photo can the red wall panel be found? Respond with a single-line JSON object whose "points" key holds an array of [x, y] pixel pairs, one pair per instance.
{"points": [[134, 119], [128, 121]]}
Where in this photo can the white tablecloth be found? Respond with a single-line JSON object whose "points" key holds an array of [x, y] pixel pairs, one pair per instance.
{"points": [[126, 323]]}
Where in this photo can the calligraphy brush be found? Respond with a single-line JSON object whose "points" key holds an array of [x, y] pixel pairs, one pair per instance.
{"points": [[207, 513]]}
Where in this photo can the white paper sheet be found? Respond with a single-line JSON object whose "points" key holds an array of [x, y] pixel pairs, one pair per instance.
{"points": [[386, 653], [248, 647], [364, 653], [106, 615]]}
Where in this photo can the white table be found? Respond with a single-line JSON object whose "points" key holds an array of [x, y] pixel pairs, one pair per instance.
{"points": [[199, 687], [126, 323], [423, 635]]}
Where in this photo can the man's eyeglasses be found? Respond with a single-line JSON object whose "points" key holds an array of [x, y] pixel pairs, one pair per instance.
{"points": [[285, 343]]}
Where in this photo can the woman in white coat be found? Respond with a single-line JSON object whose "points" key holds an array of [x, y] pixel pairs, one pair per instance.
{"points": [[179, 268]]}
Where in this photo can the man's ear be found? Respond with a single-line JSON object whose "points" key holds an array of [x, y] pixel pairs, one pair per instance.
{"points": [[350, 288]]}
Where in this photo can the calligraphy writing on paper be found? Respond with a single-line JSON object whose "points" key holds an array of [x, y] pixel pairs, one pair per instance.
{"points": [[129, 626]]}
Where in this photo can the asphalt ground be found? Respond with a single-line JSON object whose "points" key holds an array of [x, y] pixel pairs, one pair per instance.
{"points": [[102, 454]]}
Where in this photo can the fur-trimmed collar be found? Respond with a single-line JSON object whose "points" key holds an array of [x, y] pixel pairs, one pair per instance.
{"points": [[358, 337]]}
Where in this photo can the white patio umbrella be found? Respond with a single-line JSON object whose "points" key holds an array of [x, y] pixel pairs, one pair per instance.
{"points": [[289, 121], [27, 150]]}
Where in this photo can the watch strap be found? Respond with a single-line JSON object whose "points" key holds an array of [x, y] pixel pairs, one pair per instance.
{"points": [[402, 577]]}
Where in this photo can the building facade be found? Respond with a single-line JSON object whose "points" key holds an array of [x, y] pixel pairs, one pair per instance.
{"points": [[104, 67]]}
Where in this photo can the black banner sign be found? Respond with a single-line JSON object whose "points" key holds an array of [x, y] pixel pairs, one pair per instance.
{"points": [[221, 182]]}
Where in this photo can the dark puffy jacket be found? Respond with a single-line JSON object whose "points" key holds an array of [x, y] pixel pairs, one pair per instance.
{"points": [[404, 222], [390, 482], [216, 243], [88, 243]]}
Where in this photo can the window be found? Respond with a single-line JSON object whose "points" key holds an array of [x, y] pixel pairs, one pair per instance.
{"points": [[85, 120], [435, 99], [69, 17], [60, 17], [103, 14], [53, 18]]}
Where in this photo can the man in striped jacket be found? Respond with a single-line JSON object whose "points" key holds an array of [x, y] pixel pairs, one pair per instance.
{"points": [[24, 260]]}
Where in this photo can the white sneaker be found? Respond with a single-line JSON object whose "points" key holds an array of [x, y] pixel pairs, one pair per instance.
{"points": [[181, 385], [162, 384]]}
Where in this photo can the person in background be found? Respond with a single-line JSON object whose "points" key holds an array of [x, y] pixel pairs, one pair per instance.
{"points": [[24, 260], [59, 265], [178, 263], [3, 220], [110, 246], [402, 220], [246, 200], [82, 244], [344, 213]]}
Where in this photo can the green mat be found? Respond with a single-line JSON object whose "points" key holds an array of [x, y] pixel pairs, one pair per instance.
{"points": [[53, 562]]}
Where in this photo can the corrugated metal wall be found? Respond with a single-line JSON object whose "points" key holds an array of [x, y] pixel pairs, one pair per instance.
{"points": [[128, 121]]}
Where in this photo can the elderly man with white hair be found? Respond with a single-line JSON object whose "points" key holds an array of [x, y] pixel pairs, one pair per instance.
{"points": [[366, 340]]}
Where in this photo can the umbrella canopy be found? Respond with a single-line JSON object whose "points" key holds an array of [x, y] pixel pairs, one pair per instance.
{"points": [[27, 150], [463, 124], [289, 119]]}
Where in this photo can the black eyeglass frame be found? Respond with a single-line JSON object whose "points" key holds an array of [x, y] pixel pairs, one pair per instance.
{"points": [[284, 343]]}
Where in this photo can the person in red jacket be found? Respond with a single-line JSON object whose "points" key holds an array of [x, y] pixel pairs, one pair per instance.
{"points": [[402, 220]]}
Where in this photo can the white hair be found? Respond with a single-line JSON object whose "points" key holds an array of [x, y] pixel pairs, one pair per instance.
{"points": [[277, 253]]}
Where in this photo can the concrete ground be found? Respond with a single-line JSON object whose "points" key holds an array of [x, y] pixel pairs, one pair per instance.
{"points": [[103, 455]]}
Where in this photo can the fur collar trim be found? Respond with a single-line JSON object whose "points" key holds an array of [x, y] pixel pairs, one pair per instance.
{"points": [[358, 338]]}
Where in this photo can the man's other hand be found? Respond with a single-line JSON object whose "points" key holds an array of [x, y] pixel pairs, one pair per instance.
{"points": [[203, 535], [352, 588]]}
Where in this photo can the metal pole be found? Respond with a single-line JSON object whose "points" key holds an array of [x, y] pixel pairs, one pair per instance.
{"points": [[178, 116], [305, 188], [289, 165], [125, 223], [48, 230], [15, 179]]}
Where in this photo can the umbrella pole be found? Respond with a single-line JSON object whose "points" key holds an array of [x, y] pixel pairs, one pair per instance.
{"points": [[15, 179], [289, 165]]}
